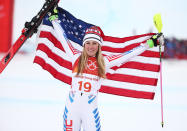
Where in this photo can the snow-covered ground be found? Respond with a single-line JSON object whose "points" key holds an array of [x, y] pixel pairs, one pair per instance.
{"points": [[32, 100]]}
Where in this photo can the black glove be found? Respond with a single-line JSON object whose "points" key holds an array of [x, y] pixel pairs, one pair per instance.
{"points": [[158, 39], [53, 15]]}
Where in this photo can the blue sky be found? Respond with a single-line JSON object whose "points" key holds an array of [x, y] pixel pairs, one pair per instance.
{"points": [[116, 17]]}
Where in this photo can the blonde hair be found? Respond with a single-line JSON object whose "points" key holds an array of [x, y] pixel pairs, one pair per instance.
{"points": [[100, 61]]}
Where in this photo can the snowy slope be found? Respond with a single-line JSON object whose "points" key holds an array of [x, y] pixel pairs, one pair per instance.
{"points": [[32, 100]]}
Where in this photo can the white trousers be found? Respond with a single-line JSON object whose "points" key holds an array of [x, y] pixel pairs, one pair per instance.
{"points": [[81, 110]]}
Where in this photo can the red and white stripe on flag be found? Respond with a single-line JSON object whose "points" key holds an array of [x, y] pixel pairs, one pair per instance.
{"points": [[136, 78]]}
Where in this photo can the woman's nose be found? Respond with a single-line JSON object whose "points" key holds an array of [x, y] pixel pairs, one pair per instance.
{"points": [[91, 45]]}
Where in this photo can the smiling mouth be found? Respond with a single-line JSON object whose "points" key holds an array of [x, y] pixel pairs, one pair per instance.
{"points": [[91, 50]]}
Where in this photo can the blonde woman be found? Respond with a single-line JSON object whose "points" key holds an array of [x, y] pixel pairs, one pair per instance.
{"points": [[89, 68]]}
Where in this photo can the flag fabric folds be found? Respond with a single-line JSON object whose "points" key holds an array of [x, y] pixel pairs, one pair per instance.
{"points": [[136, 78]]}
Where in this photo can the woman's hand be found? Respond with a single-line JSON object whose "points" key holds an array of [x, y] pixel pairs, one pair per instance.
{"points": [[53, 15], [156, 40], [161, 39]]}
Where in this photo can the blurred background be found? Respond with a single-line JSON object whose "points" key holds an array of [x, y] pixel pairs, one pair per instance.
{"points": [[32, 100]]}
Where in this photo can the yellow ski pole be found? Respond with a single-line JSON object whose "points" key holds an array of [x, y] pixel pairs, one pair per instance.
{"points": [[158, 24]]}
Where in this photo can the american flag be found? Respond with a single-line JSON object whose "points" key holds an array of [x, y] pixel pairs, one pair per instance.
{"points": [[136, 78]]}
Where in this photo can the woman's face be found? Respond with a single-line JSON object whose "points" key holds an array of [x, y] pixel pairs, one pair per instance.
{"points": [[91, 47]]}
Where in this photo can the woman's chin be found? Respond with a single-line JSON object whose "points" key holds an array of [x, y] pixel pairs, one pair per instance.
{"points": [[91, 54]]}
